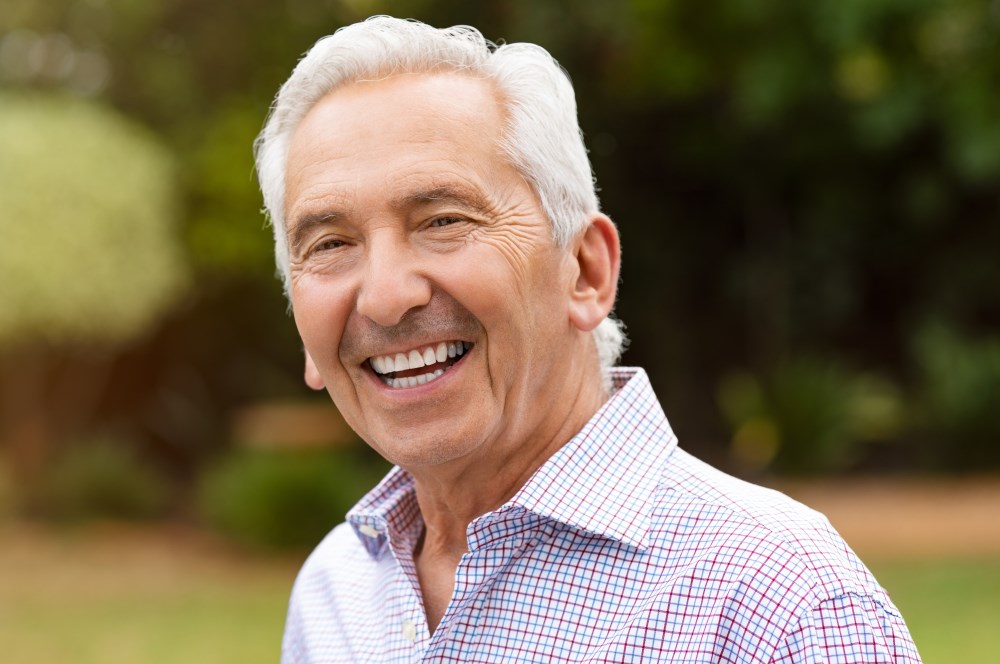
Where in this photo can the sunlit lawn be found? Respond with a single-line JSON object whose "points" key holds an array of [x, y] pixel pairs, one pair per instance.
{"points": [[238, 623], [156, 598], [153, 597], [952, 607]]}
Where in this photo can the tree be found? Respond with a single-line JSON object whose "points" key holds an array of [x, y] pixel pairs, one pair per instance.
{"points": [[88, 259]]}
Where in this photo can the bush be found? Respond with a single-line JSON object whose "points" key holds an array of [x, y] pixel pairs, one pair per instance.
{"points": [[808, 416], [99, 478], [286, 499], [959, 394]]}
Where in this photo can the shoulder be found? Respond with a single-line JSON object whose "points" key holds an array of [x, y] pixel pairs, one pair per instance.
{"points": [[328, 602], [746, 529], [775, 573], [339, 564]]}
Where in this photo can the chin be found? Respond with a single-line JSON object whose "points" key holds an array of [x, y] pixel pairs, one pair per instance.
{"points": [[411, 452]]}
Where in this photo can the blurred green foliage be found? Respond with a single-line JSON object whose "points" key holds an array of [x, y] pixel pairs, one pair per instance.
{"points": [[87, 249], [99, 478], [808, 416], [792, 180], [287, 499], [958, 400]]}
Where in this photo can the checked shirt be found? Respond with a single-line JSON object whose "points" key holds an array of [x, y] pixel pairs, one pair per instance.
{"points": [[620, 548]]}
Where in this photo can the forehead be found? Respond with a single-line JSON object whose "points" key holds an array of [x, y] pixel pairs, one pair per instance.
{"points": [[405, 126]]}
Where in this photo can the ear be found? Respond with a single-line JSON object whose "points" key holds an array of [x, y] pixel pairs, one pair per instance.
{"points": [[598, 256], [313, 379]]}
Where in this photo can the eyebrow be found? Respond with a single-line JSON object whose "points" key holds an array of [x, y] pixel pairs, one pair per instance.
{"points": [[304, 225], [468, 198]]}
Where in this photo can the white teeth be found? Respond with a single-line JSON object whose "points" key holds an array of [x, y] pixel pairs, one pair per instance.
{"points": [[400, 364], [413, 381], [415, 359]]}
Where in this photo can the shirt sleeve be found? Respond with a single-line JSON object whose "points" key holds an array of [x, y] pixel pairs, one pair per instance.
{"points": [[847, 629]]}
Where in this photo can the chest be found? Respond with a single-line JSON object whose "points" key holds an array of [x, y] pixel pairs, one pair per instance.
{"points": [[561, 598]]}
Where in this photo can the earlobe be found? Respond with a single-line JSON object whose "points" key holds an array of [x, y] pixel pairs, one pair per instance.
{"points": [[598, 256], [313, 379]]}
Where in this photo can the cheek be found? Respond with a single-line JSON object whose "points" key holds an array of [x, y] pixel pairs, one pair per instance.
{"points": [[320, 316], [523, 311], [487, 275]]}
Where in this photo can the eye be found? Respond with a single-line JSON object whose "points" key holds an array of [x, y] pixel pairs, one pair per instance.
{"points": [[327, 245], [445, 221]]}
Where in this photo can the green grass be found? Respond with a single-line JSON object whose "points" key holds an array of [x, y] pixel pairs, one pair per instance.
{"points": [[952, 607], [229, 623], [116, 594]]}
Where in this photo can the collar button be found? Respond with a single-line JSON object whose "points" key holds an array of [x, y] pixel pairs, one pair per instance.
{"points": [[369, 531], [409, 631]]}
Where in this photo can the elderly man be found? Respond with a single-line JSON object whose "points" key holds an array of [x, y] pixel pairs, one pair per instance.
{"points": [[452, 277]]}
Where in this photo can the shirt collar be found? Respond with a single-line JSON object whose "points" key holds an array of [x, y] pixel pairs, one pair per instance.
{"points": [[601, 481], [390, 507]]}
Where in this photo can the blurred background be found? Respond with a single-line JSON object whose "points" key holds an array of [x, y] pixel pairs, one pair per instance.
{"points": [[808, 200]]}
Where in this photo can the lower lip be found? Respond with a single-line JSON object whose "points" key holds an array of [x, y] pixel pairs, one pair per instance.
{"points": [[417, 390]]}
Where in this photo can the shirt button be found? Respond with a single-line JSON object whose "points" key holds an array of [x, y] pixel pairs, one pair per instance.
{"points": [[368, 531], [409, 631]]}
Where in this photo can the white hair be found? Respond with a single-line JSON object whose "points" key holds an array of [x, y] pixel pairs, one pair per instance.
{"points": [[541, 136]]}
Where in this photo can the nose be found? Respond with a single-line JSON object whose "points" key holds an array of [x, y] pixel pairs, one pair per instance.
{"points": [[392, 283]]}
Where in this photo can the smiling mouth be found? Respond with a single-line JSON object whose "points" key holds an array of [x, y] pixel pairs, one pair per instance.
{"points": [[418, 366]]}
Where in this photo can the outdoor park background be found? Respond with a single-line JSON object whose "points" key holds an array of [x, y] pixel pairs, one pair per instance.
{"points": [[808, 199]]}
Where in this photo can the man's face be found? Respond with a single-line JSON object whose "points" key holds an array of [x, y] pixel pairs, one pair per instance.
{"points": [[429, 295]]}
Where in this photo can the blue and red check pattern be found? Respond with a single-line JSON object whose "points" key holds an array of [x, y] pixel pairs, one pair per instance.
{"points": [[621, 548]]}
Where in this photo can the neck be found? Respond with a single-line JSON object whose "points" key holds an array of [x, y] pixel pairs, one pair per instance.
{"points": [[452, 495]]}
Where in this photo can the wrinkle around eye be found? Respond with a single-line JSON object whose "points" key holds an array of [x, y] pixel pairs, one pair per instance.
{"points": [[321, 257], [516, 239], [448, 231]]}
